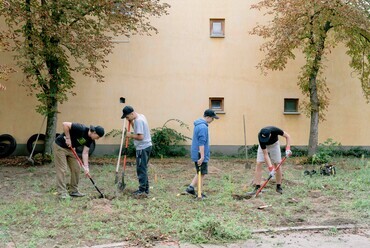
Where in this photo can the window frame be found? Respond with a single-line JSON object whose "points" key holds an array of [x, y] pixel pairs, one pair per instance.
{"points": [[290, 100], [220, 110], [217, 20]]}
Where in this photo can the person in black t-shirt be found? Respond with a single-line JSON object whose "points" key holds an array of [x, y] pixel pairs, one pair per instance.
{"points": [[269, 153], [74, 135]]}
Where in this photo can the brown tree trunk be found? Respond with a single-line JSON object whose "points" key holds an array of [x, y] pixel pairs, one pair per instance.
{"points": [[51, 131], [314, 124]]}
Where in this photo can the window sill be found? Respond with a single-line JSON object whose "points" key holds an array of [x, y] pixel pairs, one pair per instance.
{"points": [[219, 111], [217, 36], [291, 113]]}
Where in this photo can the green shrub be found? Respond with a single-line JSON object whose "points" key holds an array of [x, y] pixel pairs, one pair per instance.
{"points": [[356, 152], [326, 151], [252, 151], [166, 141]]}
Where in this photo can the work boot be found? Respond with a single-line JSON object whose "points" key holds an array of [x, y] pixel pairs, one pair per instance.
{"points": [[190, 190], [279, 189], [76, 194]]}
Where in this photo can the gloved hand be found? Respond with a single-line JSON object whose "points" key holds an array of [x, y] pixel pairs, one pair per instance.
{"points": [[86, 169], [288, 153], [272, 171]]}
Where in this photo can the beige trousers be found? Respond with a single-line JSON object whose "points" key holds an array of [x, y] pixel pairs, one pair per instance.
{"points": [[64, 157]]}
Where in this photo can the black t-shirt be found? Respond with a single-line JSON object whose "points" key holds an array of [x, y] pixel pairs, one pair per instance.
{"points": [[273, 138], [79, 136]]}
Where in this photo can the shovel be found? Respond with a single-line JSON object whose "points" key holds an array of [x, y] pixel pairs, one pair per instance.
{"points": [[270, 176], [29, 159], [87, 174], [122, 185], [120, 152], [199, 195]]}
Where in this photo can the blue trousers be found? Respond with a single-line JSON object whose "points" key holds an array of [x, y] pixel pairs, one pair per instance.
{"points": [[142, 159]]}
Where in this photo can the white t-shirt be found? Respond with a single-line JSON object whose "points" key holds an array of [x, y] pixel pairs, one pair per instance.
{"points": [[141, 127]]}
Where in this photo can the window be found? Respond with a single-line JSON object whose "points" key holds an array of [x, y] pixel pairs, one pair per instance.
{"points": [[291, 106], [217, 104], [217, 28]]}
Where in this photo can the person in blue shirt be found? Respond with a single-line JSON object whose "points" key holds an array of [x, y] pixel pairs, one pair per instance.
{"points": [[200, 152]]}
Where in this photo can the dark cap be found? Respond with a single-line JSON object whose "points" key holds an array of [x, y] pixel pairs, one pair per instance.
{"points": [[98, 130], [264, 135], [210, 113], [126, 111]]}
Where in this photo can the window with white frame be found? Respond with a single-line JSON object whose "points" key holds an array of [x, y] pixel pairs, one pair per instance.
{"points": [[217, 28], [217, 104]]}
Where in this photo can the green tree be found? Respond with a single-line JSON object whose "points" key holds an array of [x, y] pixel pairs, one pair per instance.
{"points": [[5, 70], [54, 38], [315, 27]]}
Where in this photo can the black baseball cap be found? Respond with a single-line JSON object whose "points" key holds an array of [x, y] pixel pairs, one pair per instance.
{"points": [[264, 135], [126, 111], [98, 130], [210, 113]]}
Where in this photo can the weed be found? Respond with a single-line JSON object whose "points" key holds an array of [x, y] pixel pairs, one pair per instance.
{"points": [[166, 216]]}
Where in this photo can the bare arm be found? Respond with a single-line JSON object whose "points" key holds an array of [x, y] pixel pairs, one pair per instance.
{"points": [[135, 136], [267, 157], [85, 157], [288, 140], [201, 151], [66, 128]]}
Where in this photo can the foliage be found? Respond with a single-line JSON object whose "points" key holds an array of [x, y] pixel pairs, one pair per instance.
{"points": [[212, 230], [326, 152], [5, 70], [252, 151], [88, 221], [167, 141], [315, 27], [54, 39]]}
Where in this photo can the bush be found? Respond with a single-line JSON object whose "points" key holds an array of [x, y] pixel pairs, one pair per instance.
{"points": [[166, 141], [252, 151], [326, 151]]}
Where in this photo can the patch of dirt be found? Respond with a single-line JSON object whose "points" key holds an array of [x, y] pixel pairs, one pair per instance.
{"points": [[315, 208]]}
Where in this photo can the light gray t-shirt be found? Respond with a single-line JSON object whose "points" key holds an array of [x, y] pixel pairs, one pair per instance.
{"points": [[141, 127]]}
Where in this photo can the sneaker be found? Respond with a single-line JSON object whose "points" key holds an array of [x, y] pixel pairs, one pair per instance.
{"points": [[76, 194], [190, 190], [279, 189]]}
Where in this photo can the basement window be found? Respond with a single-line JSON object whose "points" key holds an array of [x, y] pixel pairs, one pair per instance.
{"points": [[217, 104], [217, 28], [291, 106]]}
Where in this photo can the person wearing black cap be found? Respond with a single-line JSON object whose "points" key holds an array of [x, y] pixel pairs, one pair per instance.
{"points": [[143, 146], [269, 152], [74, 135], [200, 152]]}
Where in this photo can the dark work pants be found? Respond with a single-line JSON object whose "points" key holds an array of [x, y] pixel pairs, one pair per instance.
{"points": [[142, 159]]}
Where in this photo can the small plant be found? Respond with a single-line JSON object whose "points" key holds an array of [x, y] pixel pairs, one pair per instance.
{"points": [[166, 141], [326, 152], [252, 151]]}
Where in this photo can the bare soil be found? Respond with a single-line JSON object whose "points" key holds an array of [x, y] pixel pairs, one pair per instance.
{"points": [[13, 169]]}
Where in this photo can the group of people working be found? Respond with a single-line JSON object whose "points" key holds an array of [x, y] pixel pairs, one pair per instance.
{"points": [[78, 135]]}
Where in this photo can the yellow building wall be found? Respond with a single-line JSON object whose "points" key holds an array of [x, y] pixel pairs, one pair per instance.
{"points": [[174, 73]]}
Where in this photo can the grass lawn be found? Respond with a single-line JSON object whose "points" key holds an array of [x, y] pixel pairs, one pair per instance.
{"points": [[31, 215]]}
